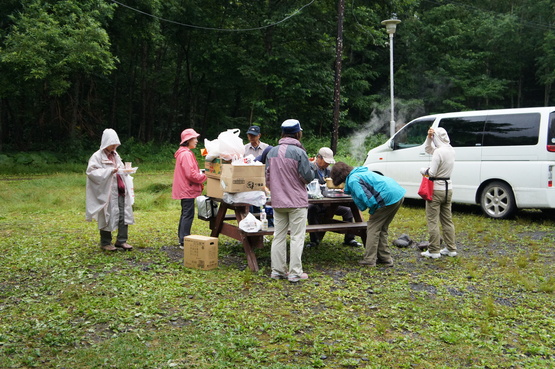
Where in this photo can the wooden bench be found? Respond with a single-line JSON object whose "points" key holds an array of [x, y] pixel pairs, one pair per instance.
{"points": [[221, 225], [339, 227]]}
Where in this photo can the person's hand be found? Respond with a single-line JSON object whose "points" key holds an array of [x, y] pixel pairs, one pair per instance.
{"points": [[115, 170], [431, 133]]}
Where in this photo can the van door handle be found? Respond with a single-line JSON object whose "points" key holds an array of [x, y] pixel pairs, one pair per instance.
{"points": [[422, 154]]}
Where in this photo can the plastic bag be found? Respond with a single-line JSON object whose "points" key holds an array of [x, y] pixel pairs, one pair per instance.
{"points": [[313, 189], [426, 190], [250, 224], [128, 180], [231, 145], [213, 149], [207, 208], [256, 198]]}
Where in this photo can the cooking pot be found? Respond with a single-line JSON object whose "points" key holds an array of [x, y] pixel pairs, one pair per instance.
{"points": [[329, 184]]}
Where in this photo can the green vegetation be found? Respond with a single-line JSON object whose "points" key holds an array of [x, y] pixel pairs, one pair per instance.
{"points": [[66, 304], [150, 68]]}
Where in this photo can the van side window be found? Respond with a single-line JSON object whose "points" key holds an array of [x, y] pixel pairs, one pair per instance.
{"points": [[512, 129], [413, 134], [464, 131]]}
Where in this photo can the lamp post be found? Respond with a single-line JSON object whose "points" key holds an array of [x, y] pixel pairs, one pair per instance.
{"points": [[390, 27]]}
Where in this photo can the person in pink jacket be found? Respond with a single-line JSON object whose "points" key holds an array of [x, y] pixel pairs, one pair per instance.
{"points": [[187, 181]]}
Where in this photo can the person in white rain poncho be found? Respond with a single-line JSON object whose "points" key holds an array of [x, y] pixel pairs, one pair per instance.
{"points": [[109, 197]]}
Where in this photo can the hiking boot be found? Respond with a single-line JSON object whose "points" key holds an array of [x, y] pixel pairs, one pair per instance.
{"points": [[367, 263], [311, 244], [296, 278], [108, 248], [388, 264], [428, 254], [445, 251], [353, 243], [277, 275], [124, 246]]}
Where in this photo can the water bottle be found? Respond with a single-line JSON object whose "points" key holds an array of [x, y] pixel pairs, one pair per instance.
{"points": [[264, 220], [269, 215]]}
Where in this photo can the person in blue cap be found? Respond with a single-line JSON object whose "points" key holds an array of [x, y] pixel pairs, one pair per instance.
{"points": [[255, 147], [287, 174]]}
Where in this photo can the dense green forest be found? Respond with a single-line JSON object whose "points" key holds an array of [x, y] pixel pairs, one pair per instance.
{"points": [[150, 68]]}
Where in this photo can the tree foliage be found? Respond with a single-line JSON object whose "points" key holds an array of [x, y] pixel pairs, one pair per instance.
{"points": [[150, 68]]}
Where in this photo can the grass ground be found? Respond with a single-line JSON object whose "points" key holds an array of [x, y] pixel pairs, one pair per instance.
{"points": [[66, 304]]}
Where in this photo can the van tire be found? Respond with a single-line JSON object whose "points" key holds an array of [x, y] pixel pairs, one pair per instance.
{"points": [[497, 200]]}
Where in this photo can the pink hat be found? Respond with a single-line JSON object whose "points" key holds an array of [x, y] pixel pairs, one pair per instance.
{"points": [[187, 134]]}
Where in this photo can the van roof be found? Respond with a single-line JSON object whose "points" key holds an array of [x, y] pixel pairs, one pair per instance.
{"points": [[473, 113]]}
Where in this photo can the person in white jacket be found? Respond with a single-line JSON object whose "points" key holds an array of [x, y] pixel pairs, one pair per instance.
{"points": [[109, 196], [438, 210]]}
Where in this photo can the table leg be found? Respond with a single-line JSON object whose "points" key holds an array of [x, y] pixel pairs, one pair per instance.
{"points": [[249, 244], [217, 223]]}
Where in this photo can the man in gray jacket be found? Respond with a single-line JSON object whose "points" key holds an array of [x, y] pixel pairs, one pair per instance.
{"points": [[287, 174]]}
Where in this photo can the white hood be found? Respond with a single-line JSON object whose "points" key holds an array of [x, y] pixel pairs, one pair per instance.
{"points": [[441, 138], [109, 137]]}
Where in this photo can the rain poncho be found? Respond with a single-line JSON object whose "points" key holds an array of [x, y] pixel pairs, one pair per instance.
{"points": [[102, 186]]}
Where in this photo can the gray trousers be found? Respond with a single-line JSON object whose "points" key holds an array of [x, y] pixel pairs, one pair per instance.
{"points": [[438, 211], [106, 237], [377, 232]]}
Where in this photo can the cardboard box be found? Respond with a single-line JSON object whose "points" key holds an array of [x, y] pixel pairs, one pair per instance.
{"points": [[200, 252], [243, 178], [215, 166], [213, 186]]}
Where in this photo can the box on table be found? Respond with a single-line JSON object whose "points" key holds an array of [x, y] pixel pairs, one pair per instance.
{"points": [[200, 252], [213, 187], [215, 166], [243, 178]]}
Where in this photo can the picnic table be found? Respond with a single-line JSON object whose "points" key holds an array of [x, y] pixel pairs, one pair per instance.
{"points": [[220, 224]]}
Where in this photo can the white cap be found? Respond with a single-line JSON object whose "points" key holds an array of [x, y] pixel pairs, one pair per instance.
{"points": [[327, 155]]}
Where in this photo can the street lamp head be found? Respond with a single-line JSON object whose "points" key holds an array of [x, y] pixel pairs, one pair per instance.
{"points": [[391, 25]]}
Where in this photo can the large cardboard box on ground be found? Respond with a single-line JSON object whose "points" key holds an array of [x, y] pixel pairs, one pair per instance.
{"points": [[200, 252], [243, 178], [213, 186], [215, 166]]}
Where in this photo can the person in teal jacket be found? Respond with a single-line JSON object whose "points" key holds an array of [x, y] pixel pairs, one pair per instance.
{"points": [[382, 196]]}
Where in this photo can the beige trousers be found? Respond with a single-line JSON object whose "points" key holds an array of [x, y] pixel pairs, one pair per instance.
{"points": [[294, 220], [438, 211]]}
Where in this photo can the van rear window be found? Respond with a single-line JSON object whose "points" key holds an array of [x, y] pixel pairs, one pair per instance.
{"points": [[512, 129], [551, 133]]}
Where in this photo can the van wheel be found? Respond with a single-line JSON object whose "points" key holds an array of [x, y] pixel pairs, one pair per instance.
{"points": [[498, 201]]}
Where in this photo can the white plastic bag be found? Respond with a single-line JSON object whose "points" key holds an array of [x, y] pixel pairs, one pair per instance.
{"points": [[313, 189], [250, 224], [128, 180], [256, 198], [213, 148], [231, 145], [207, 208]]}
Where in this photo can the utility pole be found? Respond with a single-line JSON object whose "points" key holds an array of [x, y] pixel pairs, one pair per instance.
{"points": [[337, 84]]}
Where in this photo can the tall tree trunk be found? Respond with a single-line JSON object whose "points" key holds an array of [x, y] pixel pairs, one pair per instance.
{"points": [[75, 108], [337, 84]]}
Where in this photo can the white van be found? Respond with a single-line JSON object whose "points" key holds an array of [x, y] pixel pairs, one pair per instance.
{"points": [[504, 158]]}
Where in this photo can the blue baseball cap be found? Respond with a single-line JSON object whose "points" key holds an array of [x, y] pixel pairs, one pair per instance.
{"points": [[291, 126]]}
